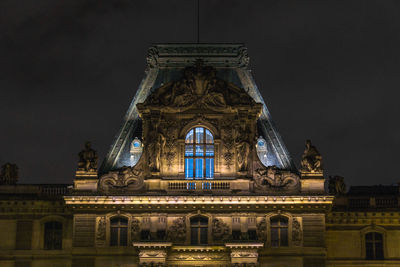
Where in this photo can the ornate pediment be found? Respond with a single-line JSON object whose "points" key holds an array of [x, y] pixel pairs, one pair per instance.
{"points": [[199, 88]]}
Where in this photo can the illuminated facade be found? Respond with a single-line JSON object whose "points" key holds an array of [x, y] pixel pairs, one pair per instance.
{"points": [[198, 176]]}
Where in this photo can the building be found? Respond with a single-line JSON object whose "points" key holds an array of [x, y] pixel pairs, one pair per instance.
{"points": [[198, 176]]}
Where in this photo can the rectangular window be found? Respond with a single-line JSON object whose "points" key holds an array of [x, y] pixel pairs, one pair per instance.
{"points": [[145, 235], [236, 234], [209, 167], [274, 237], [161, 234], [189, 151], [53, 235], [199, 150], [189, 167], [114, 236], [199, 168], [199, 135], [252, 234], [123, 236]]}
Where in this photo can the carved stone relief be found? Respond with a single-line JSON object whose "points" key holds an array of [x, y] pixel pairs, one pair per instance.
{"points": [[177, 231], [220, 230], [297, 233], [228, 142], [262, 230], [170, 129], [101, 229], [199, 88], [273, 178], [135, 229]]}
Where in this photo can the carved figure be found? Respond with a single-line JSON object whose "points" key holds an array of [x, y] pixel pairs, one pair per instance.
{"points": [[177, 231], [220, 230], [243, 150], [199, 87], [101, 229], [87, 159], [155, 149], [336, 185], [135, 229], [311, 159], [274, 178], [9, 174], [262, 230], [126, 178], [296, 232]]}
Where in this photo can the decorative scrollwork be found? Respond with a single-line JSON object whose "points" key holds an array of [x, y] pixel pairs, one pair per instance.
{"points": [[274, 178], [126, 178]]}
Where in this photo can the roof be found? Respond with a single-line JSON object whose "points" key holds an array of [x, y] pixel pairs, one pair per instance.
{"points": [[165, 63]]}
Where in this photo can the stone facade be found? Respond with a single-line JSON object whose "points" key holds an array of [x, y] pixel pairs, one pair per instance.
{"points": [[211, 184]]}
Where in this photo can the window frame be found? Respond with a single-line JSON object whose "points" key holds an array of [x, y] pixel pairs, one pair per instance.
{"points": [[53, 233], [194, 157], [374, 243], [51, 218], [279, 227], [198, 226], [119, 226]]}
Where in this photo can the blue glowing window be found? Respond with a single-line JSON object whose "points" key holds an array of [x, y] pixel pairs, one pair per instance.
{"points": [[199, 154], [136, 144]]}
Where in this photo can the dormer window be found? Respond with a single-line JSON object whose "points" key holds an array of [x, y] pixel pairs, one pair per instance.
{"points": [[135, 151], [199, 154], [262, 151]]}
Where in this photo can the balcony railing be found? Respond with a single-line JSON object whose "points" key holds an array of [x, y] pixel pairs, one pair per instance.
{"points": [[200, 185]]}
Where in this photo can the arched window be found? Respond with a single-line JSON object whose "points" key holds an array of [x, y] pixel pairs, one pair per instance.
{"points": [[118, 231], [198, 230], [53, 235], [374, 246], [199, 154], [279, 231]]}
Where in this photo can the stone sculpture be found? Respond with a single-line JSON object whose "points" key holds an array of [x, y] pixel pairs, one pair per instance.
{"points": [[9, 174], [311, 159], [336, 185], [87, 159]]}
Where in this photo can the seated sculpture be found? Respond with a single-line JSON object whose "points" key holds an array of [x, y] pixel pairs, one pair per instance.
{"points": [[311, 160], [87, 159]]}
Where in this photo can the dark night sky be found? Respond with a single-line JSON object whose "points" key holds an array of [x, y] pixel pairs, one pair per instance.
{"points": [[328, 71]]}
